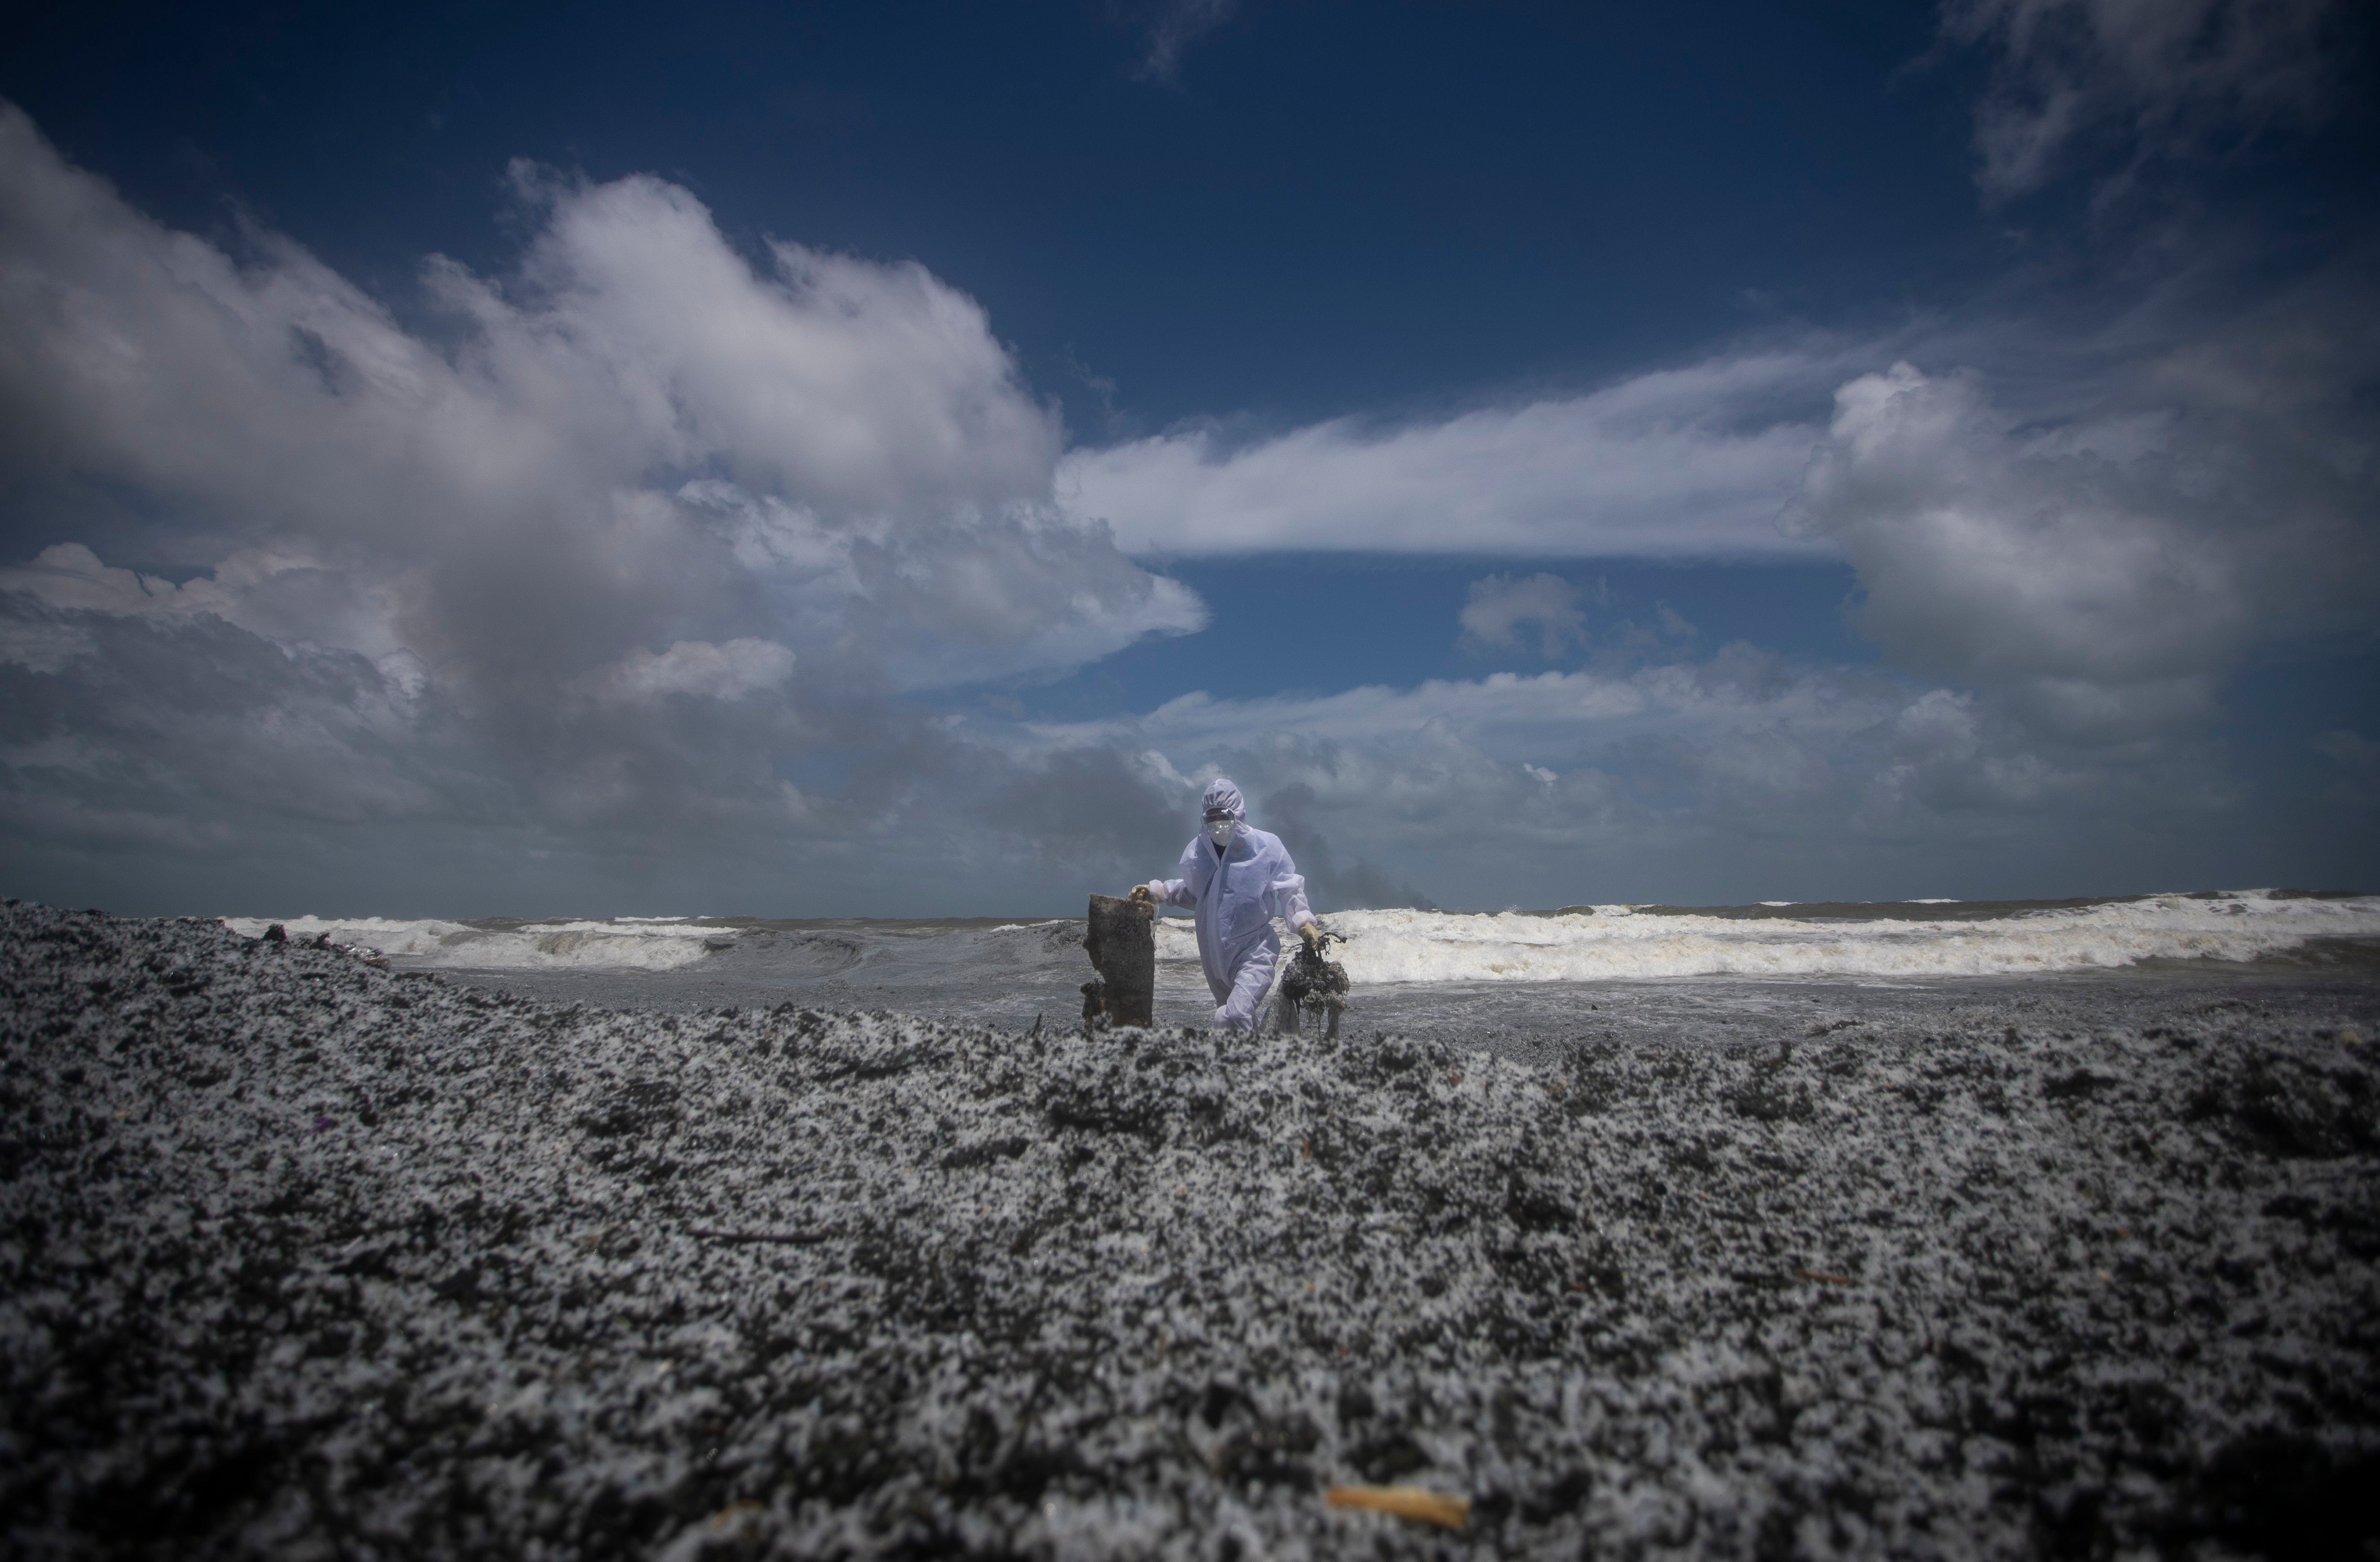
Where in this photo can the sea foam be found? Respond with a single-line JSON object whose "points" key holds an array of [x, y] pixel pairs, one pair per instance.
{"points": [[1886, 940], [1603, 944], [625, 943], [1617, 943]]}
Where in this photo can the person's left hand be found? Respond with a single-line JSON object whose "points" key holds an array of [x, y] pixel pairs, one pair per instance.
{"points": [[1312, 933]]}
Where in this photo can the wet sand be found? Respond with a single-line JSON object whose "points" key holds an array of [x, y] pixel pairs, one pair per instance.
{"points": [[304, 1257]]}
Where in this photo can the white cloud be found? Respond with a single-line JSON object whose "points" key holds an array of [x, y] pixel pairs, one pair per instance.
{"points": [[1725, 776], [634, 440], [182, 746], [2106, 571], [696, 667], [2152, 77], [1525, 727], [1690, 462], [286, 595], [2002, 555], [418, 579], [634, 542], [862, 389], [1499, 609], [1942, 757]]}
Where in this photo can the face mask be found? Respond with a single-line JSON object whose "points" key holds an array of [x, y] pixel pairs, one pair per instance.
{"points": [[1219, 830]]}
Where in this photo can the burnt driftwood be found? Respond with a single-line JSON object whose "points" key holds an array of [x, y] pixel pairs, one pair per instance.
{"points": [[1122, 945]]}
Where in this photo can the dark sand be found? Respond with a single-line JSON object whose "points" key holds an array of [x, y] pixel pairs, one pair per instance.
{"points": [[304, 1258]]}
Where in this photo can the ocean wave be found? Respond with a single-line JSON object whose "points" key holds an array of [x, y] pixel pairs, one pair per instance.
{"points": [[1912, 938], [625, 943], [1619, 942]]}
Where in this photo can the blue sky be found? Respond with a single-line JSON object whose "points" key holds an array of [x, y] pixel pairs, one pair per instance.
{"points": [[819, 460], [1325, 207]]}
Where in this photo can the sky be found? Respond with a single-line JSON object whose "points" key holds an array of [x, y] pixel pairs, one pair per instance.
{"points": [[793, 461]]}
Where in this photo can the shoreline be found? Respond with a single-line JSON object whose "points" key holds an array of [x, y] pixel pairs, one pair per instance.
{"points": [[1531, 1020], [307, 1257]]}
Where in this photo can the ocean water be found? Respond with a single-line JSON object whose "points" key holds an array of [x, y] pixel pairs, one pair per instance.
{"points": [[1690, 971]]}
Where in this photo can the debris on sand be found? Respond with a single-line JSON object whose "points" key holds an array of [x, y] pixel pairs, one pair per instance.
{"points": [[278, 934], [300, 1258], [1405, 1502], [1314, 987]]}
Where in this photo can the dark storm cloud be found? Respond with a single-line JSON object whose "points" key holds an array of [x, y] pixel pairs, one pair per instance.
{"points": [[1361, 885], [1103, 810]]}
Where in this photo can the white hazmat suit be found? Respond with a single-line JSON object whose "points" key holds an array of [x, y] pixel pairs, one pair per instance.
{"points": [[1234, 892]]}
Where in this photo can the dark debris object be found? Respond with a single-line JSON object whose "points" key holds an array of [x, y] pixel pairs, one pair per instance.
{"points": [[1314, 987]]}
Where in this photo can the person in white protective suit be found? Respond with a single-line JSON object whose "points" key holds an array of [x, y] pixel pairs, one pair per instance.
{"points": [[1236, 879]]}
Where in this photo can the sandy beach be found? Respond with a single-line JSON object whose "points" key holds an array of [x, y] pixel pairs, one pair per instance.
{"points": [[306, 1258]]}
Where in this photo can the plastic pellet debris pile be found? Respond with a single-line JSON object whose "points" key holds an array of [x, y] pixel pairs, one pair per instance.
{"points": [[305, 1258]]}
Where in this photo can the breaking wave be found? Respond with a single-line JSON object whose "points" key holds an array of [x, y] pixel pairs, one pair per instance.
{"points": [[632, 943], [1907, 939], [1883, 940]]}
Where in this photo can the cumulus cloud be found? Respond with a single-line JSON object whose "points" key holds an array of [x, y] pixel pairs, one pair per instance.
{"points": [[696, 667], [175, 748], [183, 732], [614, 567], [635, 430], [1995, 554], [1723, 777], [2149, 80], [2105, 569], [585, 509], [1692, 461], [2062, 584], [284, 594], [1942, 756], [1499, 610]]}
